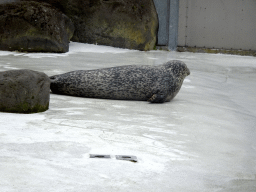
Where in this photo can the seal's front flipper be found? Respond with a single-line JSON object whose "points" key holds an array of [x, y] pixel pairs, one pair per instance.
{"points": [[157, 98]]}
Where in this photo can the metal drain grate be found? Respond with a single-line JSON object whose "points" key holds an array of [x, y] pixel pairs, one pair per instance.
{"points": [[118, 157], [127, 158], [99, 156]]}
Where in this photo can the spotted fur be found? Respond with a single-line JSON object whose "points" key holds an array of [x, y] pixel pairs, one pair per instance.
{"points": [[156, 84]]}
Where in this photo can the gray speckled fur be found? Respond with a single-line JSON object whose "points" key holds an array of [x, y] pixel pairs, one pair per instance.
{"points": [[156, 84]]}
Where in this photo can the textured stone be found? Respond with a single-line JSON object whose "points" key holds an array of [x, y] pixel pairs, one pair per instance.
{"points": [[24, 91], [120, 23], [34, 27]]}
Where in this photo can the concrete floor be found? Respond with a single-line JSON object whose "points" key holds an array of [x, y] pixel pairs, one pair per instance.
{"points": [[203, 140]]}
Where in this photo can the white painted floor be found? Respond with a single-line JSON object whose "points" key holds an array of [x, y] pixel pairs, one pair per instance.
{"points": [[204, 140]]}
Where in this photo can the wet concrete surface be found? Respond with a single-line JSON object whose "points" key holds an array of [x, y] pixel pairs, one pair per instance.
{"points": [[203, 140]]}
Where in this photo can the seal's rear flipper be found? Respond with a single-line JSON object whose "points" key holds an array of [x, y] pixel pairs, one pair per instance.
{"points": [[53, 78]]}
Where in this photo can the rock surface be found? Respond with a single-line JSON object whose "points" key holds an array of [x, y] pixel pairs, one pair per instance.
{"points": [[34, 27], [120, 23], [24, 91]]}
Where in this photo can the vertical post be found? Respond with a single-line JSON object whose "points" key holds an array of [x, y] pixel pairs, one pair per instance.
{"points": [[173, 25]]}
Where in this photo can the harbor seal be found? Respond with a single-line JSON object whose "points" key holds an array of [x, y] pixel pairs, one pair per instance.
{"points": [[156, 84]]}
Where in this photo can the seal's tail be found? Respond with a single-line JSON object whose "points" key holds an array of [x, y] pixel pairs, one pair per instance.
{"points": [[53, 78]]}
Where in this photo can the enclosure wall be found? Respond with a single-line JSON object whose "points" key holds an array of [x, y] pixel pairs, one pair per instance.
{"points": [[227, 24]]}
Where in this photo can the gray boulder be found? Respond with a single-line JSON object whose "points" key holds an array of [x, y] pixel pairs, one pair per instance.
{"points": [[120, 23], [34, 27], [24, 91]]}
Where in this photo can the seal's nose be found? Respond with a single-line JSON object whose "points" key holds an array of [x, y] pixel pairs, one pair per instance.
{"points": [[188, 71]]}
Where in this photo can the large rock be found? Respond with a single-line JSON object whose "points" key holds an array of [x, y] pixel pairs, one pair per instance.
{"points": [[34, 27], [24, 91], [120, 23]]}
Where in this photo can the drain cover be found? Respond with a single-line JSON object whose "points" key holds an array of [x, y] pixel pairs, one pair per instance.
{"points": [[127, 158], [99, 156]]}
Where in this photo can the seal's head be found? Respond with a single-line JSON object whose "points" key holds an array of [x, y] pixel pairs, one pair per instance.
{"points": [[178, 68]]}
